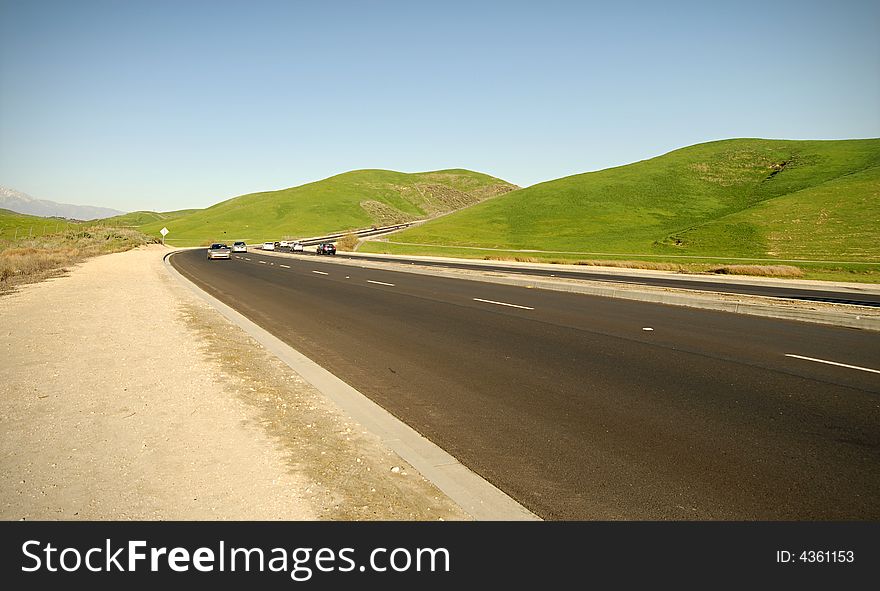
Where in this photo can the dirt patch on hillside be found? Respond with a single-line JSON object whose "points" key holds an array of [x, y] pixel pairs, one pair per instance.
{"points": [[385, 215], [433, 199]]}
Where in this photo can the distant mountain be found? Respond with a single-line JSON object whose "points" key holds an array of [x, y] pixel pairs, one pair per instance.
{"points": [[22, 203]]}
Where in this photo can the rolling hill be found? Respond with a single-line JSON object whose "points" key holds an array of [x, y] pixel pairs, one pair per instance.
{"points": [[141, 218], [739, 198], [348, 201], [14, 225]]}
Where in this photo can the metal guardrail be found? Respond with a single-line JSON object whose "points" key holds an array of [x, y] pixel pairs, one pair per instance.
{"points": [[371, 231]]}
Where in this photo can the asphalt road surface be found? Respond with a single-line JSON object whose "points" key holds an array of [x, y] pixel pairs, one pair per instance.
{"points": [[588, 408]]}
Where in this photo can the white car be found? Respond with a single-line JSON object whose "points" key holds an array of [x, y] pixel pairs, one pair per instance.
{"points": [[218, 251], [239, 247], [296, 247], [284, 243], [268, 246]]}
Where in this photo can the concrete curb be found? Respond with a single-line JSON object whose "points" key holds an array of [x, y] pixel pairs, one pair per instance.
{"points": [[769, 307], [478, 497]]}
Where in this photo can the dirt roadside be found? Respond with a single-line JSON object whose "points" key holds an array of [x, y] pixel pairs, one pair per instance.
{"points": [[122, 396]]}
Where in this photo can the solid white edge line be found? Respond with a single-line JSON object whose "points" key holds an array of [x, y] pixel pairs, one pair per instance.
{"points": [[380, 283], [503, 304], [476, 495], [320, 272], [833, 363]]}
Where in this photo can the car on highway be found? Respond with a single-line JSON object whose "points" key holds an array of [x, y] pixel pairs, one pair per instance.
{"points": [[239, 247], [219, 251], [268, 246], [326, 248], [296, 247], [284, 244]]}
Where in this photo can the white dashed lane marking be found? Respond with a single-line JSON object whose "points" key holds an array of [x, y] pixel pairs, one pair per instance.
{"points": [[320, 272], [503, 304], [262, 262], [825, 361], [285, 266], [380, 283]]}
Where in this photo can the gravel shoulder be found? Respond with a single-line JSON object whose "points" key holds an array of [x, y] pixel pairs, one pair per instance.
{"points": [[123, 396]]}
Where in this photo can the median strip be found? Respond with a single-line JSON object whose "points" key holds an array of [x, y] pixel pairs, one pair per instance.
{"points": [[503, 304], [380, 283], [833, 363]]}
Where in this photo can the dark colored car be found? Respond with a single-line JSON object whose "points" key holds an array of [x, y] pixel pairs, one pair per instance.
{"points": [[326, 248]]}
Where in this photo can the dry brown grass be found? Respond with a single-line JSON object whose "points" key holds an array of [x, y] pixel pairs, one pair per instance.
{"points": [[621, 264], [759, 270], [650, 265], [32, 259], [754, 270], [347, 242], [518, 259]]}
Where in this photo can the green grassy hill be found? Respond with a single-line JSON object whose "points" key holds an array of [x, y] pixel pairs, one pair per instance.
{"points": [[742, 198], [347, 201], [142, 218], [15, 226]]}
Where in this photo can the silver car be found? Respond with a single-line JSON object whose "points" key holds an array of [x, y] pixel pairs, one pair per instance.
{"points": [[239, 247], [219, 251]]}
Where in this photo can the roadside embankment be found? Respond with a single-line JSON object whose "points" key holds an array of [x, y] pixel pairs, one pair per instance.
{"points": [[123, 396]]}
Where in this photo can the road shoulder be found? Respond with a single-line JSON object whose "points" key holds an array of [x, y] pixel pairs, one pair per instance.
{"points": [[125, 397]]}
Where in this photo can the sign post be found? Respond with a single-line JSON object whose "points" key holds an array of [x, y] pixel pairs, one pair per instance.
{"points": [[163, 232]]}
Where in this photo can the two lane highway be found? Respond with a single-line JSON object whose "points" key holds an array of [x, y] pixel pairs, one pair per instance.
{"points": [[582, 407], [867, 296]]}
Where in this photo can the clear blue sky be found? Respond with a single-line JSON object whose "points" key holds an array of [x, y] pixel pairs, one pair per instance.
{"points": [[167, 105]]}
